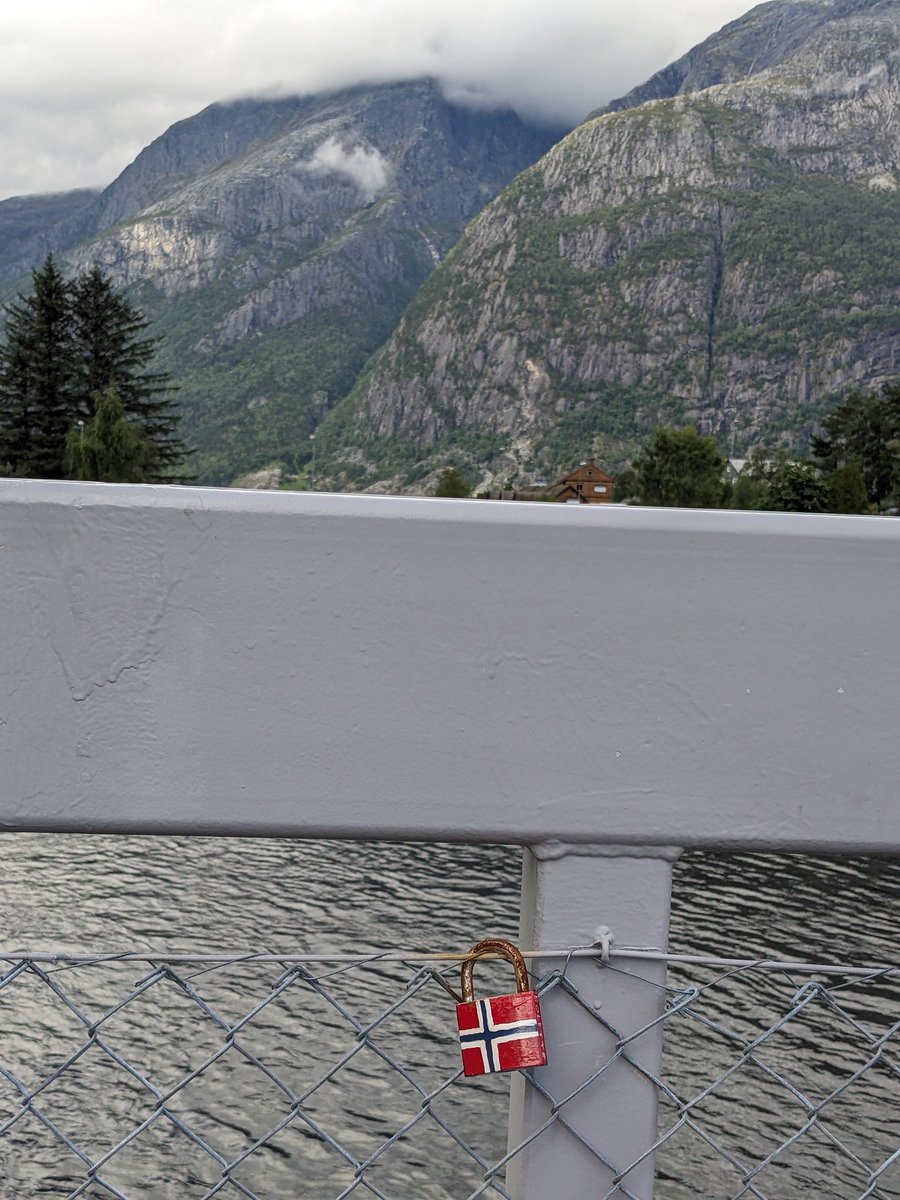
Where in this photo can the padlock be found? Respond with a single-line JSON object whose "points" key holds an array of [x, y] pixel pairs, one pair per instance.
{"points": [[501, 1033]]}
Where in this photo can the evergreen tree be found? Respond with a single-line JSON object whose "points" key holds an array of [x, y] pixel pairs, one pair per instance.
{"points": [[681, 469], [847, 490], [865, 429], [113, 350], [38, 402], [65, 345]]}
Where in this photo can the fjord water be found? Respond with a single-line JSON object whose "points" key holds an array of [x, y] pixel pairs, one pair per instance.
{"points": [[98, 894]]}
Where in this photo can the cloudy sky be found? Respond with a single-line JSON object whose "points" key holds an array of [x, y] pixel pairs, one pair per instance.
{"points": [[85, 84]]}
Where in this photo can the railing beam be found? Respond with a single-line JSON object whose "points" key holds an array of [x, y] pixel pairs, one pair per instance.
{"points": [[568, 894], [210, 661]]}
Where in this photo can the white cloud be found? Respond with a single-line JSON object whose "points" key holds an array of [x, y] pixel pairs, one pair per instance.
{"points": [[84, 86], [367, 168]]}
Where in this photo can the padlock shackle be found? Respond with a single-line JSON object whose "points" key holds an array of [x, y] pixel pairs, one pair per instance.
{"points": [[491, 946]]}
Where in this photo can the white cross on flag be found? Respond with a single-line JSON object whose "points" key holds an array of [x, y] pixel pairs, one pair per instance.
{"points": [[501, 1033]]}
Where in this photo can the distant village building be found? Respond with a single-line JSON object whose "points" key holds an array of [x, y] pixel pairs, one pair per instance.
{"points": [[587, 484], [733, 468]]}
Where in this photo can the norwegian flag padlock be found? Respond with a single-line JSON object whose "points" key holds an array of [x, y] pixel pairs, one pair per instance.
{"points": [[501, 1033]]}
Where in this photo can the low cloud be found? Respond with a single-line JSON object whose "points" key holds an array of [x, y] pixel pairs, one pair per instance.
{"points": [[367, 168], [83, 87]]}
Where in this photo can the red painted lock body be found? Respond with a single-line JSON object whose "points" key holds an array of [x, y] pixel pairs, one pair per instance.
{"points": [[499, 1033]]}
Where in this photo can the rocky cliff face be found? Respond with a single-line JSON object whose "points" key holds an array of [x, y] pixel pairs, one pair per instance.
{"points": [[28, 225], [766, 37], [294, 174], [726, 256], [276, 243]]}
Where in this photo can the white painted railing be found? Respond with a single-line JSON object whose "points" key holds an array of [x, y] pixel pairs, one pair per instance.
{"points": [[601, 685]]}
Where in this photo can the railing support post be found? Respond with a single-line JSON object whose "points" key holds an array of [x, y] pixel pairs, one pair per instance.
{"points": [[568, 892]]}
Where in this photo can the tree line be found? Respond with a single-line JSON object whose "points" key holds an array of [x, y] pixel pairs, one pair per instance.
{"points": [[79, 398], [854, 466]]}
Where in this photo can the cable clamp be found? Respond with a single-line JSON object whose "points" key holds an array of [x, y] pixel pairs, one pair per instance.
{"points": [[604, 938]]}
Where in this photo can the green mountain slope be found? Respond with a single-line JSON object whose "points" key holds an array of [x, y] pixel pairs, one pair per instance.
{"points": [[276, 243], [727, 257]]}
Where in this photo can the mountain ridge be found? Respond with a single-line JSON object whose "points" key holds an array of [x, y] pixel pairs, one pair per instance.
{"points": [[762, 38], [275, 243], [724, 257]]}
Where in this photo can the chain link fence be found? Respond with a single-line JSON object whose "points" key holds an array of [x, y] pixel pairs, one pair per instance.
{"points": [[323, 1078]]}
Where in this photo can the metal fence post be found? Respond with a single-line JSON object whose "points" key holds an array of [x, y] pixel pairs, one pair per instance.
{"points": [[568, 891]]}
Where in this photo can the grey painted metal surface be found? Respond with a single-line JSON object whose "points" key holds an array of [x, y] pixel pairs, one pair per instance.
{"points": [[566, 896], [240, 662]]}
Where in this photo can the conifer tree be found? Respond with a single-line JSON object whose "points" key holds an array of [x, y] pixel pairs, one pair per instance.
{"points": [[113, 350], [865, 430], [38, 404], [65, 345], [847, 490]]}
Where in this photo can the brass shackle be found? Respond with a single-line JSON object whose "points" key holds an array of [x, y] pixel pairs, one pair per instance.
{"points": [[492, 946]]}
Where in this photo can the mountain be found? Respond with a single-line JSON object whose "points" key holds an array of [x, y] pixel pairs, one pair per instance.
{"points": [[766, 37], [720, 247], [277, 242], [28, 225]]}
